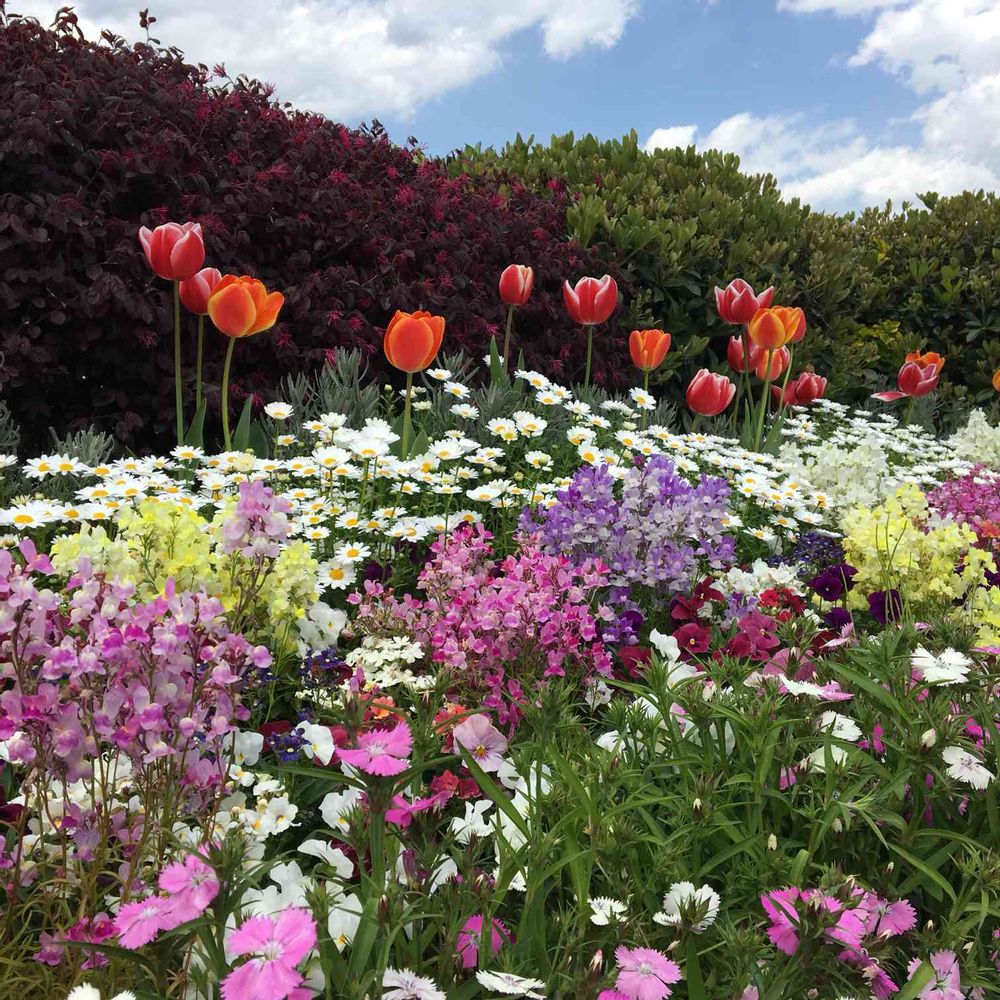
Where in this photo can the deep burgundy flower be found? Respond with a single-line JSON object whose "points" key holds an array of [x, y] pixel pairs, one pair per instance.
{"points": [[833, 581], [886, 605], [837, 618], [634, 658], [693, 639]]}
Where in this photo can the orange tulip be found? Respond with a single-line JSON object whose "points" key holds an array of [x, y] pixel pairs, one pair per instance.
{"points": [[412, 340], [240, 307], [928, 358], [648, 348], [774, 327], [996, 380]]}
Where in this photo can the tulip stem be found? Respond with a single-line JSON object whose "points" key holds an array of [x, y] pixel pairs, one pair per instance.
{"points": [[404, 451], [225, 393], [908, 415], [765, 397], [506, 338], [178, 389], [788, 371], [645, 388], [590, 348], [201, 348]]}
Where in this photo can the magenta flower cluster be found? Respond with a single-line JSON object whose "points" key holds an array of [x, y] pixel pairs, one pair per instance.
{"points": [[972, 499], [497, 623]]}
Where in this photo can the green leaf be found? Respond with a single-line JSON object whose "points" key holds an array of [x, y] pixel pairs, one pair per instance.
{"points": [[923, 975], [259, 442], [195, 435], [241, 439], [498, 372], [932, 874]]}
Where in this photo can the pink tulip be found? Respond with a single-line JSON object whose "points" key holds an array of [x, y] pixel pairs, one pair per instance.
{"points": [[914, 380], [195, 291], [737, 302], [709, 394], [516, 282], [173, 251], [592, 301]]}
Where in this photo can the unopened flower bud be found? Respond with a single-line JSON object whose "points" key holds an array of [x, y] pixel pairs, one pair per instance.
{"points": [[696, 807], [596, 961], [929, 738], [384, 911], [772, 842]]}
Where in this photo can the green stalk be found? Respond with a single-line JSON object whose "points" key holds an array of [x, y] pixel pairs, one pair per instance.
{"points": [[645, 388], [908, 415], [406, 416], [178, 389], [590, 348], [225, 393], [201, 347], [506, 337], [788, 371], [764, 399]]}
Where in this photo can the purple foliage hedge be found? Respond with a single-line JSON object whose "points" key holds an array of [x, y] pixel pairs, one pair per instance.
{"points": [[97, 139]]}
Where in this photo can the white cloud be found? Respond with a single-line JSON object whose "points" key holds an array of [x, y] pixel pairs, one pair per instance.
{"points": [[667, 138], [947, 51], [360, 58]]}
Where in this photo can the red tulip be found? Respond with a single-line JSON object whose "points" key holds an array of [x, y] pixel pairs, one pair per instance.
{"points": [[516, 282], [173, 251], [779, 362], [242, 306], [592, 301], [648, 348], [196, 290], [914, 380], [734, 355], [709, 394], [801, 391], [737, 302], [412, 340], [928, 358]]}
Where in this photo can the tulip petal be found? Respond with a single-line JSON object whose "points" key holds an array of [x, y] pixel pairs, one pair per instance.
{"points": [[231, 309]]}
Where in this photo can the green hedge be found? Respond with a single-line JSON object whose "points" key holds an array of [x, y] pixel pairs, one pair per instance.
{"points": [[873, 285]]}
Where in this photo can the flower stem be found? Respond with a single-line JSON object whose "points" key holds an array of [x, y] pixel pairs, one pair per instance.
{"points": [[788, 371], [201, 347], [764, 398], [225, 393], [178, 389], [645, 388], [405, 450], [506, 337], [590, 348]]}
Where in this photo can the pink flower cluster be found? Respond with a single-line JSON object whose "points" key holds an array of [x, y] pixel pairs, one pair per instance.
{"points": [[499, 624], [972, 499], [860, 926], [258, 524], [101, 688]]}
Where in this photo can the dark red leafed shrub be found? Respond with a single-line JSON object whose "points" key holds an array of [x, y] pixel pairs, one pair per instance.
{"points": [[98, 139]]}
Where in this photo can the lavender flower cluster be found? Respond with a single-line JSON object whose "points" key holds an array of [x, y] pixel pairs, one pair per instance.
{"points": [[656, 530]]}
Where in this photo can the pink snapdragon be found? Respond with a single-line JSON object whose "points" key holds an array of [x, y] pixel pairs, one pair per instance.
{"points": [[275, 946]]}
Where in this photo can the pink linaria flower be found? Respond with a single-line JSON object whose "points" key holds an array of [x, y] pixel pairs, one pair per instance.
{"points": [[382, 752], [192, 885], [277, 945], [469, 937], [139, 922], [645, 974], [483, 740], [947, 983]]}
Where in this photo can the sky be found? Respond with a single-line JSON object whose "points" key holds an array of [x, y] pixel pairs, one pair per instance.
{"points": [[847, 102]]}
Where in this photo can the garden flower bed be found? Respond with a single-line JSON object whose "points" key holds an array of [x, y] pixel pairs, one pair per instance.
{"points": [[489, 686]]}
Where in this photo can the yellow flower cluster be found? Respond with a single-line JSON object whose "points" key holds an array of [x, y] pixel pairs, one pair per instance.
{"points": [[160, 540], [898, 544]]}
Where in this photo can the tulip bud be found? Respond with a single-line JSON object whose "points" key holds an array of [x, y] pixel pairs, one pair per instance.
{"points": [[648, 348], [516, 282], [779, 362], [173, 251], [737, 302], [412, 340], [196, 290], [734, 355], [709, 394], [592, 301]]}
